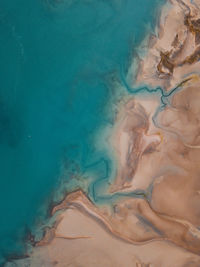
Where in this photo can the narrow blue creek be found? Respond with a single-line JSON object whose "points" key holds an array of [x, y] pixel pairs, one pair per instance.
{"points": [[58, 59]]}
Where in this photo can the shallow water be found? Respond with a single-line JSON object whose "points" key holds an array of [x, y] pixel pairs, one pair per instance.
{"points": [[58, 62]]}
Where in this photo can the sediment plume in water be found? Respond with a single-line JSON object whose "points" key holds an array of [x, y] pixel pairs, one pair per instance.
{"points": [[156, 219]]}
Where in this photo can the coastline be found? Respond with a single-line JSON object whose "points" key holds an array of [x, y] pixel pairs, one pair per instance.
{"points": [[81, 234], [160, 222]]}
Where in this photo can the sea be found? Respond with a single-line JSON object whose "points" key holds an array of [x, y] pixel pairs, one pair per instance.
{"points": [[60, 85]]}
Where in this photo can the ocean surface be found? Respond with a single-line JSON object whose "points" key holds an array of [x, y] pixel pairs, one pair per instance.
{"points": [[60, 61]]}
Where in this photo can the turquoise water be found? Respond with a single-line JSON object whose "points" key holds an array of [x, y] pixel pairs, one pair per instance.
{"points": [[58, 61]]}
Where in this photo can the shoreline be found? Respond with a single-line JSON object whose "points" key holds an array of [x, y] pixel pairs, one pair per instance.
{"points": [[68, 217], [165, 219]]}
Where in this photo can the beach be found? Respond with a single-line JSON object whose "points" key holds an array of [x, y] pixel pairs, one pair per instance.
{"points": [[152, 217]]}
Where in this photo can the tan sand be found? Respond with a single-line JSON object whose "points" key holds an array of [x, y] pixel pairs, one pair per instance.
{"points": [[158, 160], [82, 239], [175, 54]]}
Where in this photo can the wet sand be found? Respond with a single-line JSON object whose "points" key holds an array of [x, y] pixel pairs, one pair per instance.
{"points": [[85, 236], [157, 143]]}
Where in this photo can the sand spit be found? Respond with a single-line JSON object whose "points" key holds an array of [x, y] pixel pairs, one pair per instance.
{"points": [[157, 142], [83, 238]]}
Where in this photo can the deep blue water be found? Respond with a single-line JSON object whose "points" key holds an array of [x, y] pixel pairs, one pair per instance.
{"points": [[57, 63]]}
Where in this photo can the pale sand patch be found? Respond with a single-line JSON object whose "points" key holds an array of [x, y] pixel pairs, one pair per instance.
{"points": [[84, 241]]}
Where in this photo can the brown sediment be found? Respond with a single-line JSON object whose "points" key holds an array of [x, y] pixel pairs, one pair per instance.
{"points": [[194, 27], [165, 62], [176, 46], [158, 152], [137, 133], [81, 239], [194, 57]]}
